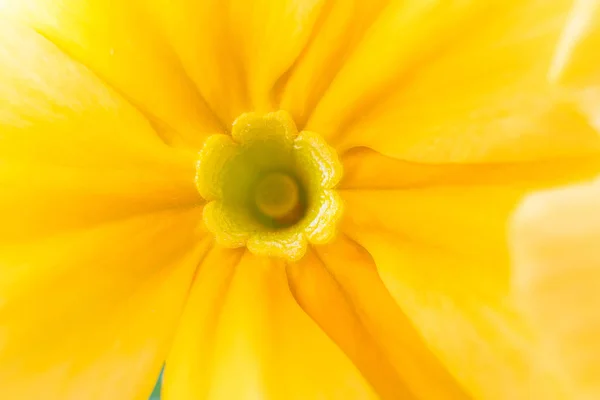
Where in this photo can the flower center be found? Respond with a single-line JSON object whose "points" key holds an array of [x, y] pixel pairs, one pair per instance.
{"points": [[268, 187], [277, 197]]}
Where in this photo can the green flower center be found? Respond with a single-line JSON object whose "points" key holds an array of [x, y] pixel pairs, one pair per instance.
{"points": [[277, 197], [268, 187]]}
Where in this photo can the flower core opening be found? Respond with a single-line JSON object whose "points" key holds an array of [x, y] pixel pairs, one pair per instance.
{"points": [[268, 187], [277, 197]]}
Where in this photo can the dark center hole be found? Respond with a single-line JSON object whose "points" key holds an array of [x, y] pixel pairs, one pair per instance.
{"points": [[279, 200]]}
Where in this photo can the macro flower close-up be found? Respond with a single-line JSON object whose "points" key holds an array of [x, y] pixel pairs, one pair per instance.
{"points": [[298, 199]]}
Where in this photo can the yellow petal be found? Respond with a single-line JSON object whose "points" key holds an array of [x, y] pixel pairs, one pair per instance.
{"points": [[457, 81], [556, 266], [84, 278], [244, 337], [456, 210], [576, 58], [191, 356], [236, 51], [122, 45], [341, 26], [363, 171], [90, 314], [72, 153], [439, 246], [338, 286], [476, 335]]}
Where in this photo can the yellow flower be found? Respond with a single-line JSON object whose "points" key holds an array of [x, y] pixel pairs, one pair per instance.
{"points": [[442, 115]]}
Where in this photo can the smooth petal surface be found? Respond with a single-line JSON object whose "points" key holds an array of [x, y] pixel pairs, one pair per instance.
{"points": [[456, 210], [236, 51], [439, 245], [244, 337], [478, 337], [556, 266], [90, 314], [576, 61], [576, 58], [363, 171], [72, 152], [121, 44], [99, 236], [338, 286], [341, 26], [457, 81]]}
